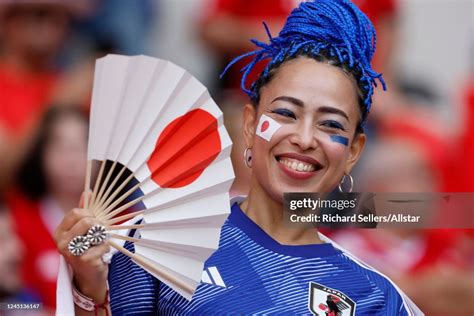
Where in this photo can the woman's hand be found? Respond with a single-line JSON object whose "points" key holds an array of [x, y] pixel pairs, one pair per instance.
{"points": [[90, 271]]}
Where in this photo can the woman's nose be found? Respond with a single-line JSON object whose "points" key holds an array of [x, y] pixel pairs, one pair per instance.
{"points": [[304, 137]]}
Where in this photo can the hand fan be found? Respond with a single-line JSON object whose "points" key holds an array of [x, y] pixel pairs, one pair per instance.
{"points": [[158, 145]]}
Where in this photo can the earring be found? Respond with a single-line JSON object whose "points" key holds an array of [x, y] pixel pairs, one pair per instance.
{"points": [[341, 183], [248, 157]]}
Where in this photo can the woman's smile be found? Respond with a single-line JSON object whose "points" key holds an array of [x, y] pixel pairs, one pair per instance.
{"points": [[298, 166]]}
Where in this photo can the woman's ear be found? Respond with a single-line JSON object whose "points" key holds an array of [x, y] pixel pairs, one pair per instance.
{"points": [[355, 151], [250, 114]]}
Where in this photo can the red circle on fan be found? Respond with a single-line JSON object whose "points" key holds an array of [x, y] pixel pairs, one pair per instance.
{"points": [[264, 126], [184, 149]]}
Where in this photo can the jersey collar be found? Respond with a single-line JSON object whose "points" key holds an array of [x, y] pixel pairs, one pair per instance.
{"points": [[239, 219]]}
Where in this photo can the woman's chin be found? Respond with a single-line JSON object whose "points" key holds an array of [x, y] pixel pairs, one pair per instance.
{"points": [[286, 188]]}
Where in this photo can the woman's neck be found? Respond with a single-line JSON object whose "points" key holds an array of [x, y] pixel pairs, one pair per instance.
{"points": [[268, 214]]}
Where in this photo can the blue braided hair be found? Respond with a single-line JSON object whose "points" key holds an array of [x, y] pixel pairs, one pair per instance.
{"points": [[333, 31]]}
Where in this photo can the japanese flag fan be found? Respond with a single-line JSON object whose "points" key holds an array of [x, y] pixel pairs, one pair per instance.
{"points": [[159, 151]]}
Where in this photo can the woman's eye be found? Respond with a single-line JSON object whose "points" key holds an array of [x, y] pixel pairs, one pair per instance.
{"points": [[333, 124], [285, 112]]}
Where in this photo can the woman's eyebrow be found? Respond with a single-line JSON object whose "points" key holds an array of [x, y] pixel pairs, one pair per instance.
{"points": [[289, 99], [332, 110], [321, 109]]}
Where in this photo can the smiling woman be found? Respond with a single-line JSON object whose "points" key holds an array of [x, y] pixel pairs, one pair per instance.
{"points": [[303, 128], [316, 105]]}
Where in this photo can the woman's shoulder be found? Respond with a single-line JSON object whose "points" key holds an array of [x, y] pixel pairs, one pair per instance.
{"points": [[396, 299]]}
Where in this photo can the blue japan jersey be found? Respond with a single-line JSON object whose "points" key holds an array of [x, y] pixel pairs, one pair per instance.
{"points": [[251, 273]]}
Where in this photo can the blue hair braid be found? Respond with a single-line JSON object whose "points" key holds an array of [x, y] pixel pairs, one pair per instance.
{"points": [[335, 29]]}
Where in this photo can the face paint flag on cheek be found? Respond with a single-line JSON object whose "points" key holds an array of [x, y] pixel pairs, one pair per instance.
{"points": [[267, 127]]}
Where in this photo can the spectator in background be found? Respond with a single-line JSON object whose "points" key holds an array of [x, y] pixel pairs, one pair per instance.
{"points": [[384, 15], [103, 27], [11, 255], [12, 289], [460, 175], [404, 97], [31, 37], [119, 24], [50, 182]]}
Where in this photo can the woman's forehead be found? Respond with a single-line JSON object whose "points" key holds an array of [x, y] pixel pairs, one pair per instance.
{"points": [[314, 83]]}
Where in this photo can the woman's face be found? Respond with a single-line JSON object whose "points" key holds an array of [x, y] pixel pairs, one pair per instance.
{"points": [[317, 109], [65, 155]]}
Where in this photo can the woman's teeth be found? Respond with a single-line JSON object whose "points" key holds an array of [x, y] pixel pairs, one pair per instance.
{"points": [[297, 165]]}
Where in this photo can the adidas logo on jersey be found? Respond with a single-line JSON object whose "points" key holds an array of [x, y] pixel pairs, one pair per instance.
{"points": [[212, 276]]}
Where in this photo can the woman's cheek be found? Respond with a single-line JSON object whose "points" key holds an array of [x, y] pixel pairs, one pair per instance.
{"points": [[265, 144], [262, 155], [335, 147], [267, 127], [333, 141]]}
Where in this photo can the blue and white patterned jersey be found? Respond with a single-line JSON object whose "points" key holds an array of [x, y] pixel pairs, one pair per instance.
{"points": [[251, 273]]}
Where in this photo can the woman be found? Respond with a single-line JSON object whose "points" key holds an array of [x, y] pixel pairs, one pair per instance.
{"points": [[50, 182], [314, 94]]}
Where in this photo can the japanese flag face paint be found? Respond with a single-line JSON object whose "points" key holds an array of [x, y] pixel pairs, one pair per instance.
{"points": [[267, 127], [340, 139]]}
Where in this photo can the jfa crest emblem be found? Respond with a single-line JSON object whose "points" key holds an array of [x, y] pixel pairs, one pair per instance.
{"points": [[324, 301]]}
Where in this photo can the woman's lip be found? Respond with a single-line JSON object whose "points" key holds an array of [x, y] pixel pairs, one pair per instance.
{"points": [[300, 175], [301, 158]]}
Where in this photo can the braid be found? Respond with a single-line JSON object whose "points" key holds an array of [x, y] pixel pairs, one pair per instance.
{"points": [[335, 31]]}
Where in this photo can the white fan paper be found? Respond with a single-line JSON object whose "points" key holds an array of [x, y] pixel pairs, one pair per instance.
{"points": [[154, 120]]}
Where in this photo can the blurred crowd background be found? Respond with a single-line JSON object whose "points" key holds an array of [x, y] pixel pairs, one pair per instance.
{"points": [[420, 131]]}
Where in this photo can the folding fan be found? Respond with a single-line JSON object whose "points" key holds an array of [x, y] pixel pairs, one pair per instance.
{"points": [[159, 147]]}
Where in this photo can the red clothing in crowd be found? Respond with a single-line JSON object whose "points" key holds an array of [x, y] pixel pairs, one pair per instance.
{"points": [[280, 8], [378, 9], [35, 222], [460, 173], [468, 139], [398, 256], [23, 98]]}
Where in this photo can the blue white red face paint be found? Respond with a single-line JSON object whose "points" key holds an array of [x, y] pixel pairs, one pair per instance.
{"points": [[340, 139], [267, 127]]}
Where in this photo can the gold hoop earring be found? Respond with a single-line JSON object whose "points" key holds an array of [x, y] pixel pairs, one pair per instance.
{"points": [[351, 182], [248, 157]]}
